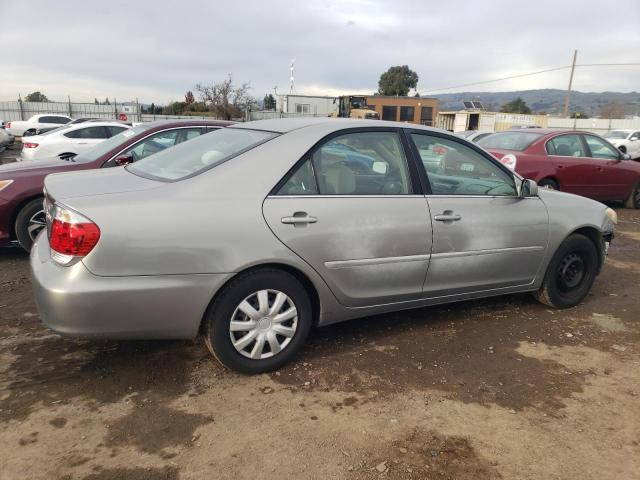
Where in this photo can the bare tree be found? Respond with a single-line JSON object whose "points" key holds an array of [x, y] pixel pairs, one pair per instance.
{"points": [[612, 110], [225, 99]]}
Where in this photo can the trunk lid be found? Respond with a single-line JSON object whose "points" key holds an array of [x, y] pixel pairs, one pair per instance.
{"points": [[104, 181]]}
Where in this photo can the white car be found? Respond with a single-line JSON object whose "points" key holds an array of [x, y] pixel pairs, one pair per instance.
{"points": [[18, 128], [67, 142], [627, 141]]}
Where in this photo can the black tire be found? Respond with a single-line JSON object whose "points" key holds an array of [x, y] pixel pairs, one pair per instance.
{"points": [[29, 132], [633, 200], [217, 334], [570, 274], [24, 228], [549, 183]]}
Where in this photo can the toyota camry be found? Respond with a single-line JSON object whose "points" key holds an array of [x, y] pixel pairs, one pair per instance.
{"points": [[255, 233]]}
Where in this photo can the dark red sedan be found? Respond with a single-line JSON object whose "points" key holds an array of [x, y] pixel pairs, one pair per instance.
{"points": [[21, 183], [572, 161]]}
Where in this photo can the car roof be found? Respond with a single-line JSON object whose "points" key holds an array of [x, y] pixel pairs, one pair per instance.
{"points": [[284, 125], [159, 124]]}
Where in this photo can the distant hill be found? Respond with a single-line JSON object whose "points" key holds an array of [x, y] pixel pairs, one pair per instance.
{"points": [[549, 101]]}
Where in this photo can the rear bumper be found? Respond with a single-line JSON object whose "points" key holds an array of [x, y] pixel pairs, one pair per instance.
{"points": [[72, 301]]}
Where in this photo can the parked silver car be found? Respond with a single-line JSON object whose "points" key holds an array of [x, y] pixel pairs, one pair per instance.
{"points": [[256, 232]]}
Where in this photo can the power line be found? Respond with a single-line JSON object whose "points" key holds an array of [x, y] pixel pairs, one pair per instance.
{"points": [[555, 69]]}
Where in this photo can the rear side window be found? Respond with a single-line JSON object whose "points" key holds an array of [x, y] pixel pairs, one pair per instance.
{"points": [[87, 133], [54, 119], [566, 146], [362, 163], [200, 154], [114, 130]]}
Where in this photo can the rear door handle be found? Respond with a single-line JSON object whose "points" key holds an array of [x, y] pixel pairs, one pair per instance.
{"points": [[447, 216], [299, 219]]}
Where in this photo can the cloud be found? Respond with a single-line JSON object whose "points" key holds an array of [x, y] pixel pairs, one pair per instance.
{"points": [[155, 50]]}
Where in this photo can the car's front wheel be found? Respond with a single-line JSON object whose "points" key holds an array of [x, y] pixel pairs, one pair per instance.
{"points": [[30, 221], [570, 274], [259, 321], [549, 184]]}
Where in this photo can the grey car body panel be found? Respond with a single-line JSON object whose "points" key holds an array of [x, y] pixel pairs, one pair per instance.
{"points": [[166, 248], [369, 249]]}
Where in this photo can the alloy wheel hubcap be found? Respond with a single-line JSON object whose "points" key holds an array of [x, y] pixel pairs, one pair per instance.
{"points": [[571, 271], [36, 223], [263, 324]]}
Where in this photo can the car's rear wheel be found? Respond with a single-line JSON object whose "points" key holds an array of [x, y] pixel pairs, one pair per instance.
{"points": [[633, 200], [549, 184], [29, 222], [570, 274], [28, 133], [259, 321]]}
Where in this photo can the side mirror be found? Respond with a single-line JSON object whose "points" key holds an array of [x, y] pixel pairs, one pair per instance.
{"points": [[528, 188], [124, 160]]}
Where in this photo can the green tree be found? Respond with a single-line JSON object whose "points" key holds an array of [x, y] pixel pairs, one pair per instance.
{"points": [[36, 97], [269, 102], [515, 106], [152, 108], [397, 81], [95, 100]]}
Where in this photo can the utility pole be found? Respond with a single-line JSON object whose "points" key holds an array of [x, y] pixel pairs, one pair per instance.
{"points": [[566, 98]]}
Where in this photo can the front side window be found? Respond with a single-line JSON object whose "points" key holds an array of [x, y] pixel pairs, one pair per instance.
{"points": [[635, 136], [601, 149], [200, 154], [455, 169], [566, 146], [362, 163]]}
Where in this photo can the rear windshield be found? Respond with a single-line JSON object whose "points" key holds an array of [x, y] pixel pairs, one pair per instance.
{"points": [[200, 154], [616, 134], [509, 140]]}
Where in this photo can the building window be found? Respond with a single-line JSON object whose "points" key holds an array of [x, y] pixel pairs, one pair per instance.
{"points": [[406, 114], [426, 115], [303, 108], [389, 113]]}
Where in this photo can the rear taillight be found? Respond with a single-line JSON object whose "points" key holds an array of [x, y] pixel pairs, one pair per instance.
{"points": [[7, 125], [30, 145], [510, 161], [71, 235]]}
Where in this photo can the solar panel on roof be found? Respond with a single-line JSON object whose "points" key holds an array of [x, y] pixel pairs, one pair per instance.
{"points": [[468, 104], [478, 105]]}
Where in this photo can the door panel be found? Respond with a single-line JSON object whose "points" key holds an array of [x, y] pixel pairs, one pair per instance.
{"points": [[370, 250], [484, 236], [497, 242]]}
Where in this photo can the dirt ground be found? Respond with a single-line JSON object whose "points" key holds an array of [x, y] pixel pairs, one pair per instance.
{"points": [[503, 388]]}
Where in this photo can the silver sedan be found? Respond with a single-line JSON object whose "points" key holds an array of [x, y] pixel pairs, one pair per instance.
{"points": [[253, 234]]}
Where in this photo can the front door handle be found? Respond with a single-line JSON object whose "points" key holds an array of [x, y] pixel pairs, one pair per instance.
{"points": [[447, 216], [299, 218]]}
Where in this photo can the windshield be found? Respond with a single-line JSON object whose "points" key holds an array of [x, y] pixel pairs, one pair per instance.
{"points": [[103, 147], [616, 134], [195, 156], [518, 141]]}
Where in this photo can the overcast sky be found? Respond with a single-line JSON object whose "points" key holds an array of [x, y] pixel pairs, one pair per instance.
{"points": [[155, 50]]}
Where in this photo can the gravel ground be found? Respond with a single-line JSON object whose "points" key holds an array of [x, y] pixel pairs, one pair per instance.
{"points": [[499, 388]]}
